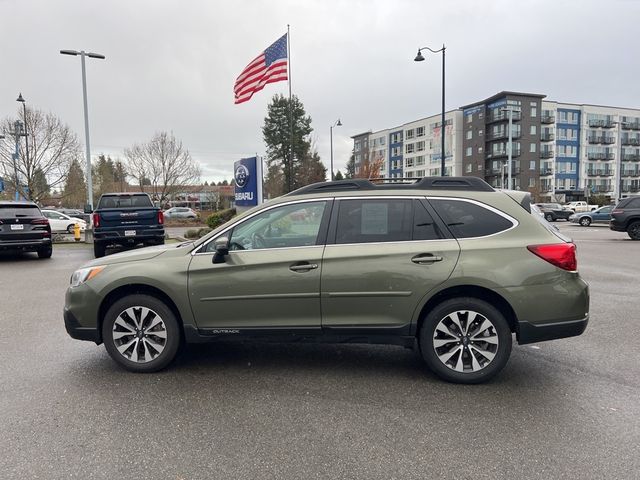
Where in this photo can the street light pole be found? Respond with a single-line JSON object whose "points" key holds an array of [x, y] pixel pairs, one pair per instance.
{"points": [[420, 58], [26, 129], [336, 124], [83, 54], [17, 132]]}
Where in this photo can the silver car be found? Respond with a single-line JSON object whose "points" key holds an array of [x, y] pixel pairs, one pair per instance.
{"points": [[180, 212]]}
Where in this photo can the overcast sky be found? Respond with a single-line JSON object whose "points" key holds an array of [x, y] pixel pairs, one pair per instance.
{"points": [[171, 65]]}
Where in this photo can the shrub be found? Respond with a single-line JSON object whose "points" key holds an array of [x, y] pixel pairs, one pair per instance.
{"points": [[191, 233], [203, 231], [218, 218]]}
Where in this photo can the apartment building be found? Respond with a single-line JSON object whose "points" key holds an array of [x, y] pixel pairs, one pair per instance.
{"points": [[559, 151]]}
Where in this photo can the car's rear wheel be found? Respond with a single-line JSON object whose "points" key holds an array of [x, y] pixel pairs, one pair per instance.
{"points": [[465, 340], [585, 221], [45, 252], [141, 333], [99, 249], [70, 228], [634, 231], [548, 217]]}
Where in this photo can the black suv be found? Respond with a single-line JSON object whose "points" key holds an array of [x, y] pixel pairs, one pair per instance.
{"points": [[24, 228], [554, 211], [626, 217]]}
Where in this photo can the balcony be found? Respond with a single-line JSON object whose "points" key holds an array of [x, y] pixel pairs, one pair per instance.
{"points": [[544, 172], [503, 116], [546, 188], [491, 172], [547, 137], [501, 135], [503, 154], [630, 173], [630, 141], [602, 139], [601, 123], [600, 156], [631, 125], [548, 119], [602, 188], [546, 153], [631, 157], [631, 188]]}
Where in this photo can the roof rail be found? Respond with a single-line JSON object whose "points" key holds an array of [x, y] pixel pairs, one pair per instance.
{"points": [[473, 184]]}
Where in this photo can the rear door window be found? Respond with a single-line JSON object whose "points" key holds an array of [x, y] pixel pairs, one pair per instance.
{"points": [[468, 219], [374, 220]]}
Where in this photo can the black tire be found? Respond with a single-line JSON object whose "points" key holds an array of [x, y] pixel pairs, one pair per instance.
{"points": [[160, 241], [585, 221], [70, 228], [499, 329], [45, 252], [99, 249], [633, 230], [171, 331], [548, 217]]}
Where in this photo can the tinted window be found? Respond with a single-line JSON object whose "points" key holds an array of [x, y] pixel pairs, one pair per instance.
{"points": [[375, 220], [634, 203], [296, 225], [124, 201], [14, 211], [424, 228], [466, 219]]}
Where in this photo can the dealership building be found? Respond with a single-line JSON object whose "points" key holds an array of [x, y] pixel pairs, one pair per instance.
{"points": [[559, 150]]}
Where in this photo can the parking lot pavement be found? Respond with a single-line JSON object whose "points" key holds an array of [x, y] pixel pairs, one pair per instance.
{"points": [[562, 409]]}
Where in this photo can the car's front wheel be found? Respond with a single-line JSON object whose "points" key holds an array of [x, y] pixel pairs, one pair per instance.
{"points": [[634, 231], [141, 333], [465, 340], [585, 221], [548, 217]]}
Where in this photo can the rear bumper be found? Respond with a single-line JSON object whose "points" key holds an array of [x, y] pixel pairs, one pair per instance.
{"points": [[29, 245], [119, 237], [532, 333], [617, 227]]}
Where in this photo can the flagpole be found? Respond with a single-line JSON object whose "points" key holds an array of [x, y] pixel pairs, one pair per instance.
{"points": [[290, 108]]}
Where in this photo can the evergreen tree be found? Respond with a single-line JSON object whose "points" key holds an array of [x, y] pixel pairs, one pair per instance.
{"points": [[339, 176], [285, 150], [74, 194], [351, 167], [311, 170]]}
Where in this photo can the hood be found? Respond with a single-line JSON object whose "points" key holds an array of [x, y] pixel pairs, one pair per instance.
{"points": [[137, 254]]}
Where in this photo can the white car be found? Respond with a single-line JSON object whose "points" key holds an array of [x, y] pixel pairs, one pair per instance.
{"points": [[60, 222]]}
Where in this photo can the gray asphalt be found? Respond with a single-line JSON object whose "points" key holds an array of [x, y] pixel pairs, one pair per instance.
{"points": [[563, 409]]}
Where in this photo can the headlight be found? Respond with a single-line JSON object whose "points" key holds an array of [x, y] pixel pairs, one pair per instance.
{"points": [[84, 274]]}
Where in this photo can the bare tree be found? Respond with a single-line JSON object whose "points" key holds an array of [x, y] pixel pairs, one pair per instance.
{"points": [[371, 168], [52, 148], [164, 163]]}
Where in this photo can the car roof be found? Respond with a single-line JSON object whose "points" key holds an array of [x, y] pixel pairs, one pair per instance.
{"points": [[22, 203]]}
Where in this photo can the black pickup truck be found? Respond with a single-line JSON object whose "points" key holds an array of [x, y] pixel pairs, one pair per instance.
{"points": [[126, 219]]}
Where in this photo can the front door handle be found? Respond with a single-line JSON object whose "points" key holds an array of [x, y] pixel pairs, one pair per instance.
{"points": [[303, 267], [426, 259]]}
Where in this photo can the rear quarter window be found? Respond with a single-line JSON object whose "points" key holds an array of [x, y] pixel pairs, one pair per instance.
{"points": [[467, 220]]}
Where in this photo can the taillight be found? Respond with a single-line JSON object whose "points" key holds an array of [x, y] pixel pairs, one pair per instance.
{"points": [[562, 255], [160, 217], [40, 221], [617, 211], [96, 219]]}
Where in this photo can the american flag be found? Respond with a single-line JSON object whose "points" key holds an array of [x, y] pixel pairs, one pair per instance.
{"points": [[268, 67]]}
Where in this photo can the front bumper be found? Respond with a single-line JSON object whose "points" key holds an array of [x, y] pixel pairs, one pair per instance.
{"points": [[533, 333], [81, 313], [75, 330]]}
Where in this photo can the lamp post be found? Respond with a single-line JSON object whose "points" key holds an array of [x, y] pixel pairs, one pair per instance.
{"points": [[338, 123], [83, 54], [26, 128], [420, 58]]}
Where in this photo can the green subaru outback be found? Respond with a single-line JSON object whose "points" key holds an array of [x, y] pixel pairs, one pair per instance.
{"points": [[446, 264]]}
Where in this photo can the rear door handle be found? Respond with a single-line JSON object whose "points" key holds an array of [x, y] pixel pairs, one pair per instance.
{"points": [[426, 259], [303, 267]]}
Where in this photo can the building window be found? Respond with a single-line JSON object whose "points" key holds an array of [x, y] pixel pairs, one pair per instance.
{"points": [[382, 140], [533, 129], [534, 111], [532, 147], [409, 162], [420, 132], [420, 146], [470, 118], [419, 173], [468, 168], [532, 165], [480, 133], [357, 146], [469, 151], [532, 182], [410, 133], [469, 134], [357, 158], [479, 149], [409, 148], [419, 160]]}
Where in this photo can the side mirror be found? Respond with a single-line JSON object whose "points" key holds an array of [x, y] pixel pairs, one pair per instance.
{"points": [[221, 246], [88, 208]]}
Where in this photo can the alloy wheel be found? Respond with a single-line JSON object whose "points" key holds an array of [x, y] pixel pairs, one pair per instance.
{"points": [[465, 341], [139, 334]]}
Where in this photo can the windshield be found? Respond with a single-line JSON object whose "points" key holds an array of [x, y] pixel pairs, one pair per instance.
{"points": [[15, 211]]}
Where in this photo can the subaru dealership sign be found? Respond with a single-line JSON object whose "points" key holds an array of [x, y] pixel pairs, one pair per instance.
{"points": [[247, 175]]}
